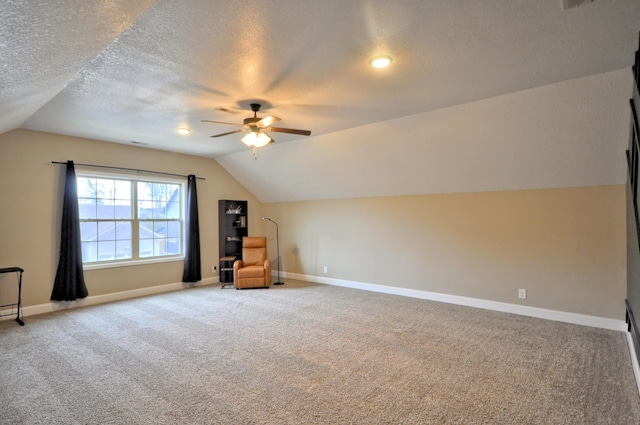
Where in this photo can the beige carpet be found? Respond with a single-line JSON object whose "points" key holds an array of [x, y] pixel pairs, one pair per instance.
{"points": [[309, 354]]}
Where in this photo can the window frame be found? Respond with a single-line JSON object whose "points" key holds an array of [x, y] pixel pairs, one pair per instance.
{"points": [[135, 220]]}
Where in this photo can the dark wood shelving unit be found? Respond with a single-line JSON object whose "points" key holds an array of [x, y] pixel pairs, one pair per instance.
{"points": [[232, 227]]}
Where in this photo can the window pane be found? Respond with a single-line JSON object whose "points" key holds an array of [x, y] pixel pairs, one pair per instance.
{"points": [[156, 193], [106, 250], [106, 230], [145, 209], [160, 228], [145, 232], [89, 251], [173, 246], [123, 231], [86, 187], [146, 229], [173, 192], [146, 248], [159, 210], [158, 247], [173, 209], [87, 208], [88, 230], [105, 188], [173, 229], [123, 249], [123, 190], [106, 209], [144, 191], [159, 194], [122, 211]]}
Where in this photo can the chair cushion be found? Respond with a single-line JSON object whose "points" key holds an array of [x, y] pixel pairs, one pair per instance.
{"points": [[253, 282], [254, 256], [251, 271], [254, 250], [254, 242]]}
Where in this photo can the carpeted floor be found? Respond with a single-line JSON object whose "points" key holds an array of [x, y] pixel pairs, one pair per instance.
{"points": [[309, 354]]}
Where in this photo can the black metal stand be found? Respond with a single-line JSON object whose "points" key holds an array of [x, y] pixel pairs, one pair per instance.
{"points": [[279, 282], [19, 303], [226, 271]]}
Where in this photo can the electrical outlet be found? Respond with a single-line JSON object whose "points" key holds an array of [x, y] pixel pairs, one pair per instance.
{"points": [[522, 294], [214, 269], [326, 269]]}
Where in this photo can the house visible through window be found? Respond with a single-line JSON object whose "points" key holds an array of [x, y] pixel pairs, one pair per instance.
{"points": [[124, 219]]}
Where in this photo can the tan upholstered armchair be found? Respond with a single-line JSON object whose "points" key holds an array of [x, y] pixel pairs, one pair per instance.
{"points": [[254, 270]]}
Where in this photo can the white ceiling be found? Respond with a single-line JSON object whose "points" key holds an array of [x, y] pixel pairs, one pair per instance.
{"points": [[123, 71]]}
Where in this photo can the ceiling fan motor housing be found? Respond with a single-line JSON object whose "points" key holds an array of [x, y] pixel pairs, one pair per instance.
{"points": [[251, 122]]}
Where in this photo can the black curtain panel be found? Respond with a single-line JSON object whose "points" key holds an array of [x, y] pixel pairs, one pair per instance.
{"points": [[69, 283], [192, 269]]}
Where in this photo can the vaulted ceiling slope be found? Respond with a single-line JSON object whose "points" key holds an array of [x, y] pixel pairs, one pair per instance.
{"points": [[473, 95]]}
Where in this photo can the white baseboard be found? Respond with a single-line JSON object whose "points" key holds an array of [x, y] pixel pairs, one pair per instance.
{"points": [[106, 298], [559, 316]]}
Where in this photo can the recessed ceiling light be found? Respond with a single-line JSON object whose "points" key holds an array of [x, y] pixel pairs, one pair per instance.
{"points": [[184, 131], [380, 62]]}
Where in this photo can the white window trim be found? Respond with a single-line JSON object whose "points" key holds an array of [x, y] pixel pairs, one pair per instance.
{"points": [[127, 263], [136, 177]]}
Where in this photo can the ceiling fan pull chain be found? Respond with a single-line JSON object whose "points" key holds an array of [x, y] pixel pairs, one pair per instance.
{"points": [[255, 154]]}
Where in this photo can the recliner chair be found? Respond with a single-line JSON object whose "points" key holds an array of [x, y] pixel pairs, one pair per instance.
{"points": [[254, 270]]}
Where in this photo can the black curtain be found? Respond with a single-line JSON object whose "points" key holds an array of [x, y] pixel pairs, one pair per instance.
{"points": [[69, 283], [192, 272]]}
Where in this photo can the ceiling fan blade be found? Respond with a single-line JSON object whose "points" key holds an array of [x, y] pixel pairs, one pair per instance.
{"points": [[267, 121], [290, 131], [222, 122], [228, 132], [227, 110]]}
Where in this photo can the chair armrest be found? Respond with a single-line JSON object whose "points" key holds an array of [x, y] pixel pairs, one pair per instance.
{"points": [[236, 266], [267, 272]]}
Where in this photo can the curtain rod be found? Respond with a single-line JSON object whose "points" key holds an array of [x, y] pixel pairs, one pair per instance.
{"points": [[127, 169]]}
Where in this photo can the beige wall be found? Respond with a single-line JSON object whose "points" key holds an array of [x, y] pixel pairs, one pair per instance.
{"points": [[565, 246], [31, 199]]}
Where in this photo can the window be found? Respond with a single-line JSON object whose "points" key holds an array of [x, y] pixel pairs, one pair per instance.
{"points": [[125, 219]]}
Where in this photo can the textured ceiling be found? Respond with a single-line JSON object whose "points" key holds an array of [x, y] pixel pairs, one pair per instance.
{"points": [[124, 71]]}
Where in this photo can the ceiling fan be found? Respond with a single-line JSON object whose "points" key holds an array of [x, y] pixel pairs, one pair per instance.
{"points": [[257, 128]]}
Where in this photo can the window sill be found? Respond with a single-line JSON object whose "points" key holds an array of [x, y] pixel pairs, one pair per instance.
{"points": [[118, 264]]}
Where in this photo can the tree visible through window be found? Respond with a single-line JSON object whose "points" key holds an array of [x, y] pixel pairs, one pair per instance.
{"points": [[123, 219]]}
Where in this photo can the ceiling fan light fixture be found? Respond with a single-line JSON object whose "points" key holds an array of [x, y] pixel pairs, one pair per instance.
{"points": [[380, 62], [256, 139], [184, 131]]}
